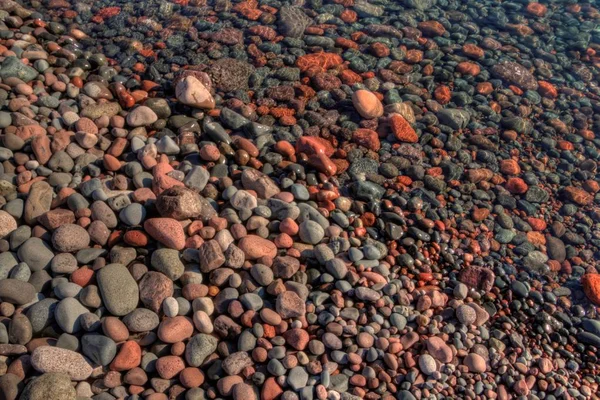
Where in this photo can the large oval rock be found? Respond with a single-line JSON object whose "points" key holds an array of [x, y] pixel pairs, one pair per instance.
{"points": [[118, 289], [16, 292], [55, 359], [255, 247], [367, 104], [69, 238]]}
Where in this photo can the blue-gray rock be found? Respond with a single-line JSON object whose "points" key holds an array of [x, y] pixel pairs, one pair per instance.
{"points": [[12, 67], [99, 348]]}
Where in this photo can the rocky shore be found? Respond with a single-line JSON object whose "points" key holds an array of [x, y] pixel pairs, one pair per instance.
{"points": [[298, 200]]}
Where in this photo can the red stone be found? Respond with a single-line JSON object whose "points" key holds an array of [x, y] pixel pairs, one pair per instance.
{"points": [[322, 61], [516, 186], [442, 94], [431, 28], [402, 130], [367, 138], [547, 89]]}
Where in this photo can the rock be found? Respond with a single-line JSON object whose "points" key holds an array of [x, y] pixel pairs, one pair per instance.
{"points": [[38, 201], [182, 203], [118, 289], [236, 362], [210, 256], [427, 364], [173, 330], [68, 313], [154, 288], [52, 385], [591, 287], [98, 348], [12, 67], [167, 231], [454, 118], [556, 249], [36, 253], [16, 292], [230, 74], [47, 359], [167, 261], [293, 21], [141, 320], [70, 238], [475, 363], [255, 247], [311, 232], [199, 348], [191, 92], [515, 74], [255, 180], [141, 116], [367, 104], [7, 224], [290, 305]]}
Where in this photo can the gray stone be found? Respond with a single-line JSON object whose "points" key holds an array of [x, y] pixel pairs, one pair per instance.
{"points": [[99, 348], [68, 314], [119, 290], [199, 347], [36, 253], [12, 67]]}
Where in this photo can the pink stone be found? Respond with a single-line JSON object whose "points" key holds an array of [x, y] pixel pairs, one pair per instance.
{"points": [[167, 231]]}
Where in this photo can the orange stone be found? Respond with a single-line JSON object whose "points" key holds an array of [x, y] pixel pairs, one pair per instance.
{"points": [[468, 68], [516, 186], [314, 145], [442, 94], [510, 167], [479, 214], [431, 28], [547, 89], [591, 287], [537, 224], [591, 186], [129, 357], [536, 238], [484, 88], [473, 51], [536, 9], [323, 164], [578, 195]]}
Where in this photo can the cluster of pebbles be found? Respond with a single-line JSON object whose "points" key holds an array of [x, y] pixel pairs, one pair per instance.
{"points": [[343, 199]]}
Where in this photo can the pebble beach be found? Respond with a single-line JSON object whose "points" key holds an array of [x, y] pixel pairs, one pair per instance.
{"points": [[299, 200]]}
